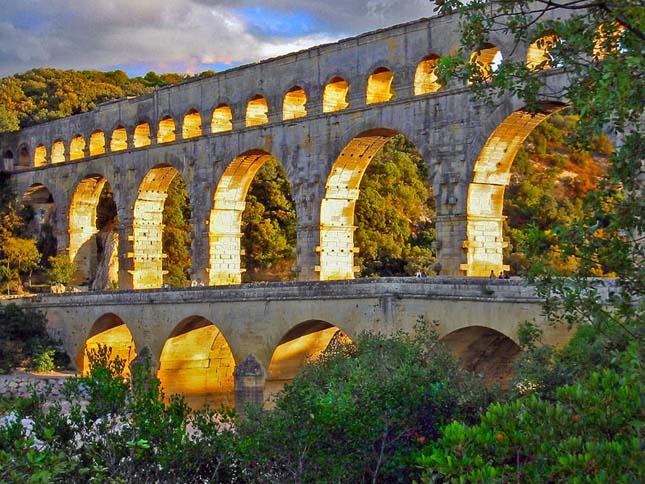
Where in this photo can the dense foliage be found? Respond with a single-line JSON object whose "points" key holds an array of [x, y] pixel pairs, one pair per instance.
{"points": [[175, 238], [23, 338]]}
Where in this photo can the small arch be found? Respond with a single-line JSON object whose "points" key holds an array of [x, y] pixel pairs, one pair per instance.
{"points": [[40, 156], [294, 104], [192, 125], [77, 148], [7, 160], [119, 139], [97, 143], [486, 61], [257, 111], [166, 131], [484, 351], [58, 152], [108, 330], [222, 119], [23, 156], [379, 86], [197, 362], [302, 343], [425, 77], [537, 55], [335, 95], [141, 135]]}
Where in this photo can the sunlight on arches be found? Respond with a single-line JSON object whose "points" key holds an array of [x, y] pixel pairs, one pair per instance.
{"points": [[77, 148], [486, 193], [295, 101], [487, 59], [304, 342], [222, 119], [40, 156], [97, 143], [119, 140], [197, 362], [58, 152], [141, 136], [379, 86], [537, 55], [337, 208], [257, 111], [335, 95], [109, 330], [192, 127], [166, 132], [425, 78]]}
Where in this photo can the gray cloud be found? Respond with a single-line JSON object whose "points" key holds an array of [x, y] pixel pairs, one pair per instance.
{"points": [[177, 34]]}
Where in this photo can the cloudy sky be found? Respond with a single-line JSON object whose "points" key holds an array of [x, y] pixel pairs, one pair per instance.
{"points": [[180, 35]]}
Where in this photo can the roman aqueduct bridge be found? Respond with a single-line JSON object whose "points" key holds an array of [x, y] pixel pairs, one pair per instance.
{"points": [[322, 113]]}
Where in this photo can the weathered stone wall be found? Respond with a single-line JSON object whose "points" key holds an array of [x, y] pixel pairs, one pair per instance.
{"points": [[21, 384]]}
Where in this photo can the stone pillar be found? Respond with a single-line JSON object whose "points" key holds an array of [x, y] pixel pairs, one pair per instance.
{"points": [[126, 256], [307, 257], [200, 259], [451, 233], [249, 383]]}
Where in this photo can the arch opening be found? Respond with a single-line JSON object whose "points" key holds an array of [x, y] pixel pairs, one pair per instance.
{"points": [[93, 240], [486, 61], [23, 156], [257, 111], [222, 119], [147, 250], [484, 227], [77, 148], [119, 139], [192, 125], [303, 343], [484, 351], [109, 330], [426, 80], [40, 156], [335, 95], [58, 152], [197, 362], [337, 211], [97, 143], [226, 217], [41, 202], [7, 160], [537, 55], [379, 86], [166, 130], [141, 135], [295, 103]]}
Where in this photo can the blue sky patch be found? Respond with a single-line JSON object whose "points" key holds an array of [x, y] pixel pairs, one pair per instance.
{"points": [[270, 22]]}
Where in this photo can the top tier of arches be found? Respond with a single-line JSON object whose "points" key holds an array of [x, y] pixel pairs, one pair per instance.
{"points": [[375, 68]]}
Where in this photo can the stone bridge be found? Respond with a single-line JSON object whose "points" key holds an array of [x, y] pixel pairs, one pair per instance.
{"points": [[212, 343], [322, 113]]}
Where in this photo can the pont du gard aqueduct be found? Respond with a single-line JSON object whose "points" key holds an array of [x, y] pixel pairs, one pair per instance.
{"points": [[323, 113]]}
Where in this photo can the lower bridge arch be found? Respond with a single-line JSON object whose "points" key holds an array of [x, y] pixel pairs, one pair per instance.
{"points": [[302, 343], [111, 331], [485, 351], [197, 362]]}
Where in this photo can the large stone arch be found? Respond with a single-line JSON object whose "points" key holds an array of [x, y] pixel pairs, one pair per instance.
{"points": [[301, 343], [147, 226], [485, 198], [111, 331], [226, 216], [336, 242], [485, 351], [82, 219], [197, 362]]}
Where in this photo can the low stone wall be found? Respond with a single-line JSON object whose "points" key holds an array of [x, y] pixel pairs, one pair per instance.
{"points": [[21, 384]]}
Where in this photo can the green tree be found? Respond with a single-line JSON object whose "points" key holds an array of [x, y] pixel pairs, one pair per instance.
{"points": [[61, 269], [269, 225], [394, 213], [175, 239], [20, 256]]}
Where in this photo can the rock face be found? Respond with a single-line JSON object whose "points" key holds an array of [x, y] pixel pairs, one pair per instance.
{"points": [[107, 269]]}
